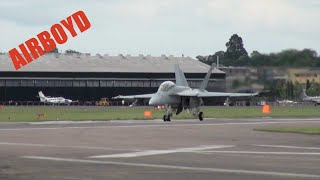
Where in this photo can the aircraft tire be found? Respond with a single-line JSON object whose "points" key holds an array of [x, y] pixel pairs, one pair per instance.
{"points": [[200, 116], [166, 118]]}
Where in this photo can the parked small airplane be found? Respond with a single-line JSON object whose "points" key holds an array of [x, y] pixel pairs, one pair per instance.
{"points": [[313, 99], [178, 97], [286, 101], [53, 100]]}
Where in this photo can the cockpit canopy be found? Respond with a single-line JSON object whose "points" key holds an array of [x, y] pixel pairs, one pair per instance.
{"points": [[166, 86]]}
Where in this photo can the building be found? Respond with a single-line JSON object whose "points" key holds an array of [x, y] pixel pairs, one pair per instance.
{"points": [[87, 78], [240, 79], [302, 75]]}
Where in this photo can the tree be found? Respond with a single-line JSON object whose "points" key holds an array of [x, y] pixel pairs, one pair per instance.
{"points": [[71, 51], [255, 54], [308, 84], [314, 89], [235, 48], [290, 88], [55, 50], [202, 59], [211, 58]]}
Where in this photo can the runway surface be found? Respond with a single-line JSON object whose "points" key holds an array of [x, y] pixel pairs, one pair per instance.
{"points": [[152, 149]]}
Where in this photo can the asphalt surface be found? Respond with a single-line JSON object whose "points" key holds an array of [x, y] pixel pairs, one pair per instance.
{"points": [[181, 149]]}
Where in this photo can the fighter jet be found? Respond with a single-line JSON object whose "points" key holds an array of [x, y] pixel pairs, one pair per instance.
{"points": [[53, 100], [178, 96], [286, 101], [313, 99]]}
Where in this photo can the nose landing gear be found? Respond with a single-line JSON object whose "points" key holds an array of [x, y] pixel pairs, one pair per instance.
{"points": [[166, 118], [168, 114], [201, 116]]}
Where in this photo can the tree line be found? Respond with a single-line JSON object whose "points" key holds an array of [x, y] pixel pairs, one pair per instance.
{"points": [[69, 51], [236, 55]]}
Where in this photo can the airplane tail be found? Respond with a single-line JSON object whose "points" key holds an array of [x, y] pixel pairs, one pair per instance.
{"points": [[180, 78], [303, 94], [205, 81], [41, 96]]}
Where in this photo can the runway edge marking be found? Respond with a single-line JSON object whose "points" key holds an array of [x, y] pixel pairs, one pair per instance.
{"points": [[158, 152], [288, 147], [62, 146], [156, 125], [261, 152], [216, 170]]}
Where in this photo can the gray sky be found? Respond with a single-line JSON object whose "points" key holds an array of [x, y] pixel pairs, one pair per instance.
{"points": [[190, 27]]}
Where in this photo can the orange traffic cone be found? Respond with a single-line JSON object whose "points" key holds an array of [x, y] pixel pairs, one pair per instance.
{"points": [[147, 113], [266, 109]]}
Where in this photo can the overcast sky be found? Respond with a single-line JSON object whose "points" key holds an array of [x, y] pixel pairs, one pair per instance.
{"points": [[189, 27]]}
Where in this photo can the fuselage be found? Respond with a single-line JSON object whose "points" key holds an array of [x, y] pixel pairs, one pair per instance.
{"points": [[315, 99], [286, 102], [167, 95], [58, 100]]}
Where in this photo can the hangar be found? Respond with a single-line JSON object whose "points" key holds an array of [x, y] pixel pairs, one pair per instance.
{"points": [[88, 78]]}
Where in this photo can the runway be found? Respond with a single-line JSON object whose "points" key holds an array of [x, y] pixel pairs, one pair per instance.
{"points": [[152, 149]]}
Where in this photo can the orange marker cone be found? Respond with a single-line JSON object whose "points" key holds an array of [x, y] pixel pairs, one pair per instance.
{"points": [[266, 109], [147, 113]]}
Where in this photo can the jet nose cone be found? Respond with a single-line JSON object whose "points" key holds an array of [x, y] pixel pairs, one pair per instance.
{"points": [[155, 100], [152, 102]]}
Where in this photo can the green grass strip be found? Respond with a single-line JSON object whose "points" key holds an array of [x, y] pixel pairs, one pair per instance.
{"points": [[63, 113], [303, 130]]}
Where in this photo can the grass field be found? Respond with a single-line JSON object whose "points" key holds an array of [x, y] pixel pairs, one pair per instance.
{"points": [[62, 113], [303, 130]]}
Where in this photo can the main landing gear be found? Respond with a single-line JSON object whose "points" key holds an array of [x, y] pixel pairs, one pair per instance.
{"points": [[168, 114], [166, 118], [201, 116], [196, 112]]}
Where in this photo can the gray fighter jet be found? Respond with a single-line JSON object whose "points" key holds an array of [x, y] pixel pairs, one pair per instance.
{"points": [[306, 98], [178, 96]]}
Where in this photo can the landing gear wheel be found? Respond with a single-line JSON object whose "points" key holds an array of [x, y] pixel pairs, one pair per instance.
{"points": [[166, 118], [200, 116]]}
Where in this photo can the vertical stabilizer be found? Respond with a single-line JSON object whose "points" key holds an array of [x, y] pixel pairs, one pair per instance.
{"points": [[204, 83], [180, 78], [303, 94], [41, 96]]}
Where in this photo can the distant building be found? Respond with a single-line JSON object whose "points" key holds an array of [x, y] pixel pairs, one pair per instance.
{"points": [[302, 75], [88, 78], [238, 78]]}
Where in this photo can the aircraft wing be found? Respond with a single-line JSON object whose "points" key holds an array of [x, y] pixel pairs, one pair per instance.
{"points": [[141, 96], [222, 94], [190, 93]]}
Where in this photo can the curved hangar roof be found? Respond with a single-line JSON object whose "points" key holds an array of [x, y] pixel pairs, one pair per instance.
{"points": [[106, 63]]}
